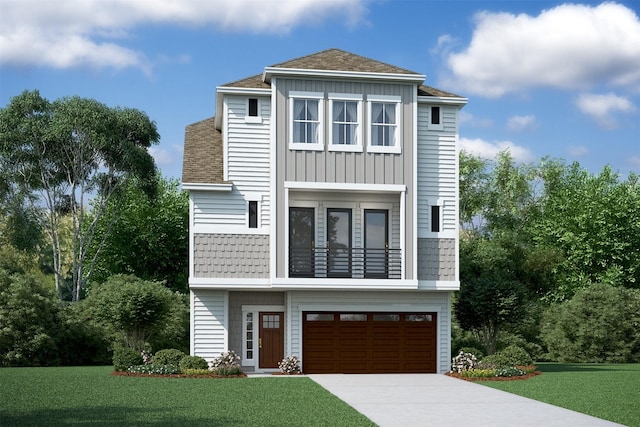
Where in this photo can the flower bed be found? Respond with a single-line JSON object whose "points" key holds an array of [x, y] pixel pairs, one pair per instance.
{"points": [[475, 379]]}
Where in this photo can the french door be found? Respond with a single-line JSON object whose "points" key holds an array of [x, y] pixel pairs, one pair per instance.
{"points": [[339, 242], [376, 243], [301, 242]]}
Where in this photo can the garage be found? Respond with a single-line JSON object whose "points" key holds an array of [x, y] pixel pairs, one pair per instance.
{"points": [[359, 343]]}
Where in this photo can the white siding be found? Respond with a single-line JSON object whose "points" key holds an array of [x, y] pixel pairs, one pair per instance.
{"points": [[437, 169], [373, 301], [209, 323], [218, 208]]}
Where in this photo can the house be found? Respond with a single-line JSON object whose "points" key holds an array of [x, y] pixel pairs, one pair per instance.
{"points": [[323, 218]]}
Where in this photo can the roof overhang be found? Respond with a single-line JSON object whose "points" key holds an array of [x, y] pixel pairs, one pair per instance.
{"points": [[311, 73], [226, 187], [443, 100]]}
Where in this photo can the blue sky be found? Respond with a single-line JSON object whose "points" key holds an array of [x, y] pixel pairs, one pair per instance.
{"points": [[542, 77]]}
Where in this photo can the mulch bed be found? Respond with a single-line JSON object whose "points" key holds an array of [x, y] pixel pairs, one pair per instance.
{"points": [[211, 375], [521, 377]]}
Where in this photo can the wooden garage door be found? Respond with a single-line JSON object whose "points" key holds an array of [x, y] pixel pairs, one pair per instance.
{"points": [[368, 342]]}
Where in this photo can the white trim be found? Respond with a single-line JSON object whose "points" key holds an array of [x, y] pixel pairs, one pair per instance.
{"points": [[440, 125], [396, 148], [253, 119], [354, 284], [229, 229], [192, 318], [207, 187], [414, 183], [271, 71], [192, 268], [256, 310], [438, 285], [358, 146], [225, 283], [242, 90], [443, 100], [331, 186], [225, 140], [273, 199], [318, 96], [386, 308]]}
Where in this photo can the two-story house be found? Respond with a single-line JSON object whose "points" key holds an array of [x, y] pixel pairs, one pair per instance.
{"points": [[323, 218]]}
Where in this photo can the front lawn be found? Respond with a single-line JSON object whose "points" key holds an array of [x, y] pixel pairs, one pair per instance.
{"points": [[91, 395], [611, 392]]}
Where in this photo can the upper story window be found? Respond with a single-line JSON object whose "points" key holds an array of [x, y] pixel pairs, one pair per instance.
{"points": [[384, 136], [253, 111], [306, 113], [346, 122], [435, 118]]}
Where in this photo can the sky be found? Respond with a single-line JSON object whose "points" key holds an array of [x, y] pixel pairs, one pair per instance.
{"points": [[542, 78]]}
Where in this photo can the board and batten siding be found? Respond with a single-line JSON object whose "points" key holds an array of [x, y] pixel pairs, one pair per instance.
{"points": [[438, 302], [209, 323], [437, 169]]}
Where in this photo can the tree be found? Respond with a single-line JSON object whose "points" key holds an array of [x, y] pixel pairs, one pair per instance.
{"points": [[136, 311], [598, 325], [491, 296], [68, 152], [150, 237]]}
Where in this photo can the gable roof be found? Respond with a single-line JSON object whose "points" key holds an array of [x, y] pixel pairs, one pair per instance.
{"points": [[202, 161], [337, 60]]}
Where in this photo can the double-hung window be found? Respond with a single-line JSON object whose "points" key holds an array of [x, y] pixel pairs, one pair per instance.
{"points": [[346, 120], [306, 113], [384, 135]]}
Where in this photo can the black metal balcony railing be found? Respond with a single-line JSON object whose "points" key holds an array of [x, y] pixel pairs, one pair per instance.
{"points": [[353, 263]]}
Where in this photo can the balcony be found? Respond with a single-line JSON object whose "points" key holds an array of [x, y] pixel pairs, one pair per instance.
{"points": [[350, 263]]}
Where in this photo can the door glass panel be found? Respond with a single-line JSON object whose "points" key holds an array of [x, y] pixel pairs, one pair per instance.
{"points": [[353, 317], [301, 242], [339, 242], [376, 238], [386, 317], [319, 317]]}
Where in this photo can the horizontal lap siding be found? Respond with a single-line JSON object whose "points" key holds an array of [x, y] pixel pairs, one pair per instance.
{"points": [[437, 169], [372, 301], [221, 209], [209, 323]]}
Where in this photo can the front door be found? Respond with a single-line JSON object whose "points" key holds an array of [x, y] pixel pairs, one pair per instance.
{"points": [[271, 339]]}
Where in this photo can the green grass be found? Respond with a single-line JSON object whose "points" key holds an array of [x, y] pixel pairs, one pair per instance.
{"points": [[611, 392], [92, 396]]}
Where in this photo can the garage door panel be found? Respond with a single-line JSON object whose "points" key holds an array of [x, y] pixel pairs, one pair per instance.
{"points": [[374, 343]]}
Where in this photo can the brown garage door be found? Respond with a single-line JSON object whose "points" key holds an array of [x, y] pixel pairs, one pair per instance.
{"points": [[368, 342]]}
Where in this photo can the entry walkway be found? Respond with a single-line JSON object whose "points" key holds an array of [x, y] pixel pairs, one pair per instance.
{"points": [[400, 400]]}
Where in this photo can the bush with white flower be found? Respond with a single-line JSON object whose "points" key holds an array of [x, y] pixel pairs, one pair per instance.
{"points": [[463, 362], [228, 363], [290, 365]]}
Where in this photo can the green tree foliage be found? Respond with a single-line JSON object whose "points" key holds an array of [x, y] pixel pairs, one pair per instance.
{"points": [[137, 312], [594, 221], [29, 322], [149, 237], [69, 151], [599, 324], [491, 296]]}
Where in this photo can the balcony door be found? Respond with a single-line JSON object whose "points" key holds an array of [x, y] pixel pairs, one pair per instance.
{"points": [[301, 242], [376, 243], [339, 242]]}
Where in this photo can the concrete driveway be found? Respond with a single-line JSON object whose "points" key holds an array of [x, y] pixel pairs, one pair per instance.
{"points": [[437, 400]]}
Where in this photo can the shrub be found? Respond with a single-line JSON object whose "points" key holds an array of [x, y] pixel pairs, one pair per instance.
{"points": [[154, 368], [599, 324], [227, 363], [463, 362], [479, 373], [479, 354], [169, 356], [290, 365], [193, 362], [125, 357], [515, 356], [510, 371], [205, 371]]}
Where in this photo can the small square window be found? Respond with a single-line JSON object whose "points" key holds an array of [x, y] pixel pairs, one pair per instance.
{"points": [[253, 214], [253, 107]]}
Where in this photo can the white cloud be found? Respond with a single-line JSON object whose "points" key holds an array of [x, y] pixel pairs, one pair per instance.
{"points": [[569, 46], [635, 161], [603, 107], [489, 150], [577, 150], [519, 123], [165, 157], [92, 32], [468, 119]]}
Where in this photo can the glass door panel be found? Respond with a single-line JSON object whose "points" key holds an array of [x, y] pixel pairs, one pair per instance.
{"points": [[339, 242], [301, 242], [376, 242]]}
